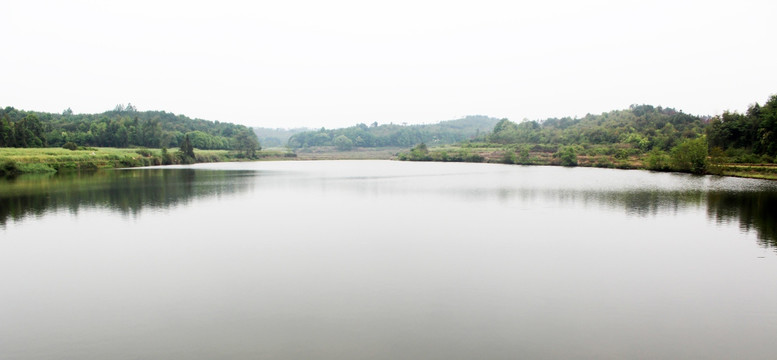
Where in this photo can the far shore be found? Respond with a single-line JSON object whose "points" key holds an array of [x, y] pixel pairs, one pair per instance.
{"points": [[17, 161]]}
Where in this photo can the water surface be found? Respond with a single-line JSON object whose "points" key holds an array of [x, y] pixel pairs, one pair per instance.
{"points": [[386, 260]]}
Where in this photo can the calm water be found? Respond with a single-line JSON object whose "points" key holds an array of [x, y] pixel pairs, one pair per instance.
{"points": [[387, 260]]}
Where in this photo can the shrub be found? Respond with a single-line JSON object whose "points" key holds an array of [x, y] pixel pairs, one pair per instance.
{"points": [[343, 143], [70, 146], [657, 160], [35, 168], [568, 156], [691, 156], [8, 168], [167, 158], [523, 156], [509, 157], [144, 152]]}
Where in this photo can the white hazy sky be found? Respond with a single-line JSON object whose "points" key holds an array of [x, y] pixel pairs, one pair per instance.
{"points": [[337, 63]]}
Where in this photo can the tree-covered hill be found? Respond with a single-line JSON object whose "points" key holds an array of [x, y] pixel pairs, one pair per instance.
{"points": [[121, 127], [642, 127], [642, 136], [755, 131], [374, 135]]}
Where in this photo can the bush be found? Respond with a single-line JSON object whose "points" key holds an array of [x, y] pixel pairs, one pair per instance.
{"points": [[167, 158], [691, 156], [8, 168], [35, 168], [523, 156], [144, 152], [657, 160], [568, 156], [509, 157], [343, 143], [70, 146]]}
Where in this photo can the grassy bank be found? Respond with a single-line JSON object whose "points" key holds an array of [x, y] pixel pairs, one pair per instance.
{"points": [[601, 157], [49, 160]]}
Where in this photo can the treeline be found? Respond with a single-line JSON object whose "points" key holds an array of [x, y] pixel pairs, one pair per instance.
{"points": [[386, 135], [641, 127], [656, 138], [749, 137], [642, 136], [122, 127], [754, 132]]}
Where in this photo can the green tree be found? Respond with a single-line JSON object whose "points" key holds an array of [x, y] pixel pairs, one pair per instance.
{"points": [[6, 133], [509, 156], [420, 153], [248, 143], [167, 159], [657, 160], [343, 143], [567, 156], [523, 155], [186, 152], [691, 156]]}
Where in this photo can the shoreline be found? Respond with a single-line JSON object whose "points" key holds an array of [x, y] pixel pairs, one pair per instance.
{"points": [[22, 161]]}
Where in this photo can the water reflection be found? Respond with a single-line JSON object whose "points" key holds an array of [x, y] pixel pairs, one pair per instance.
{"points": [[750, 202], [124, 191], [754, 211]]}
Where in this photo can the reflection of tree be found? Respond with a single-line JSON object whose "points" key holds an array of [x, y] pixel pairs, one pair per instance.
{"points": [[125, 191], [754, 210]]}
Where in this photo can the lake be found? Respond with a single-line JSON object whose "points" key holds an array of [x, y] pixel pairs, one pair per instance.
{"points": [[386, 260]]}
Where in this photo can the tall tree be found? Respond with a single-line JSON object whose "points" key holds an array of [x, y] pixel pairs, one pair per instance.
{"points": [[186, 148]]}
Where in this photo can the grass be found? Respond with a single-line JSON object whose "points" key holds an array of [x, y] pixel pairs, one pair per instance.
{"points": [[331, 153], [43, 160], [755, 171]]}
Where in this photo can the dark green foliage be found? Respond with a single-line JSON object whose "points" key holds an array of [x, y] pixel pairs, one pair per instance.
{"points": [[248, 143], [657, 160], [691, 156], [8, 168], [567, 155], [755, 131], [121, 127], [167, 158], [70, 146], [20, 129], [640, 127], [186, 153]]}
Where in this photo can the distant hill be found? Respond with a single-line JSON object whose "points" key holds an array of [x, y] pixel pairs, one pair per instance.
{"points": [[276, 137], [642, 127], [121, 127], [374, 135]]}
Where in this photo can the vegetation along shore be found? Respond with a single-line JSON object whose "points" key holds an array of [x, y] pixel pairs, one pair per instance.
{"points": [[640, 137]]}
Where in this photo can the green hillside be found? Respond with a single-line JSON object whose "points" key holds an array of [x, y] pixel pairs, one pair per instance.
{"points": [[392, 135], [122, 127]]}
